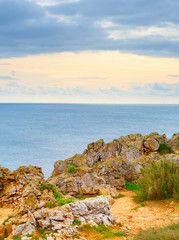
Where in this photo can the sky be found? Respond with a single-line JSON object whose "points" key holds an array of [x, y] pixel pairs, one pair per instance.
{"points": [[89, 51]]}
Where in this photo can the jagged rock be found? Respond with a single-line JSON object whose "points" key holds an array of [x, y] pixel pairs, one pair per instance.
{"points": [[132, 140], [98, 151], [80, 182], [174, 142], [21, 187], [60, 219], [130, 153]]}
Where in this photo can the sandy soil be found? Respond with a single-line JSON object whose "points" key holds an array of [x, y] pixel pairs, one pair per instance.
{"points": [[153, 214], [4, 213]]}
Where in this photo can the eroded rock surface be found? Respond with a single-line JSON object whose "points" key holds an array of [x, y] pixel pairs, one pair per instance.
{"points": [[102, 169]]}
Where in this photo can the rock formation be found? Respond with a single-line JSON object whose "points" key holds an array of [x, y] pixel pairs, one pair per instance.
{"points": [[102, 169]]}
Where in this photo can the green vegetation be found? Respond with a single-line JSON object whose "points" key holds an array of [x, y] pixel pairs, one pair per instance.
{"points": [[50, 205], [131, 186], [71, 169], [76, 221], [49, 187], [16, 238], [158, 181], [102, 230], [76, 236], [61, 201], [41, 230], [163, 233], [165, 148], [71, 164], [57, 195], [82, 197], [141, 205], [120, 195], [29, 235], [6, 220]]}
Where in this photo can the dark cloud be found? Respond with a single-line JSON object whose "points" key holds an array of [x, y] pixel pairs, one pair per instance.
{"points": [[29, 28]]}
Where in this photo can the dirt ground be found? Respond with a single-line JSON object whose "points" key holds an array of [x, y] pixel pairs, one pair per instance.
{"points": [[153, 214]]}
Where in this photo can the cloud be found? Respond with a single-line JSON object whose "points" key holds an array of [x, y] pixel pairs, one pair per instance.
{"points": [[155, 89], [169, 31], [7, 78], [174, 75], [137, 26], [142, 91], [5, 64]]}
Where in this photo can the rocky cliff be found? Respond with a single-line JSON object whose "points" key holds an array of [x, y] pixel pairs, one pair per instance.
{"points": [[103, 168]]}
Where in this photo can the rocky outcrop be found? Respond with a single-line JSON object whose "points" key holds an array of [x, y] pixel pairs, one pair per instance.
{"points": [[92, 211], [102, 169], [109, 164], [174, 142], [21, 187]]}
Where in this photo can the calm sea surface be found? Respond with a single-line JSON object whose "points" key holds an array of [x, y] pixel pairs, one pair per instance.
{"points": [[40, 134]]}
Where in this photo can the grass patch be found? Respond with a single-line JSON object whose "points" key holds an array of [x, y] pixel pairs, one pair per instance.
{"points": [[101, 231], [49, 187], [76, 221], [41, 230], [16, 238], [163, 233], [158, 181], [131, 186], [120, 196], [165, 148], [50, 205], [82, 197], [6, 220], [71, 169], [76, 236], [61, 201], [141, 205]]}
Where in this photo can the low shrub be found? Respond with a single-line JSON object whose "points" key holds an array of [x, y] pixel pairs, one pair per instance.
{"points": [[165, 148], [76, 221], [131, 186], [104, 231], [49, 187], [71, 169], [41, 230], [158, 181], [163, 233], [120, 195], [6, 220], [57, 195], [50, 205]]}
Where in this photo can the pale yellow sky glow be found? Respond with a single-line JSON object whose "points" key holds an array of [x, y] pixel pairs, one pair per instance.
{"points": [[93, 75]]}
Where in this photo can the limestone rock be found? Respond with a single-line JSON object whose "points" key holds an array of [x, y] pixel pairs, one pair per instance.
{"points": [[174, 142]]}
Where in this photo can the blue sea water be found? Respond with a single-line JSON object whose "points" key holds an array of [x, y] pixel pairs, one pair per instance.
{"points": [[40, 134]]}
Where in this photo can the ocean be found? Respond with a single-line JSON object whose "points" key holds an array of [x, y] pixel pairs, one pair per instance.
{"points": [[40, 134]]}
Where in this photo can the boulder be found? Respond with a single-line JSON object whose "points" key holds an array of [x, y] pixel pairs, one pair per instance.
{"points": [[174, 142]]}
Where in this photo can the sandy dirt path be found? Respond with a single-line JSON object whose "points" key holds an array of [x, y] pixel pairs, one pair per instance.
{"points": [[153, 214]]}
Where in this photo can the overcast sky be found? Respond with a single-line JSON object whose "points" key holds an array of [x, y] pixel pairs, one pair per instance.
{"points": [[98, 51]]}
